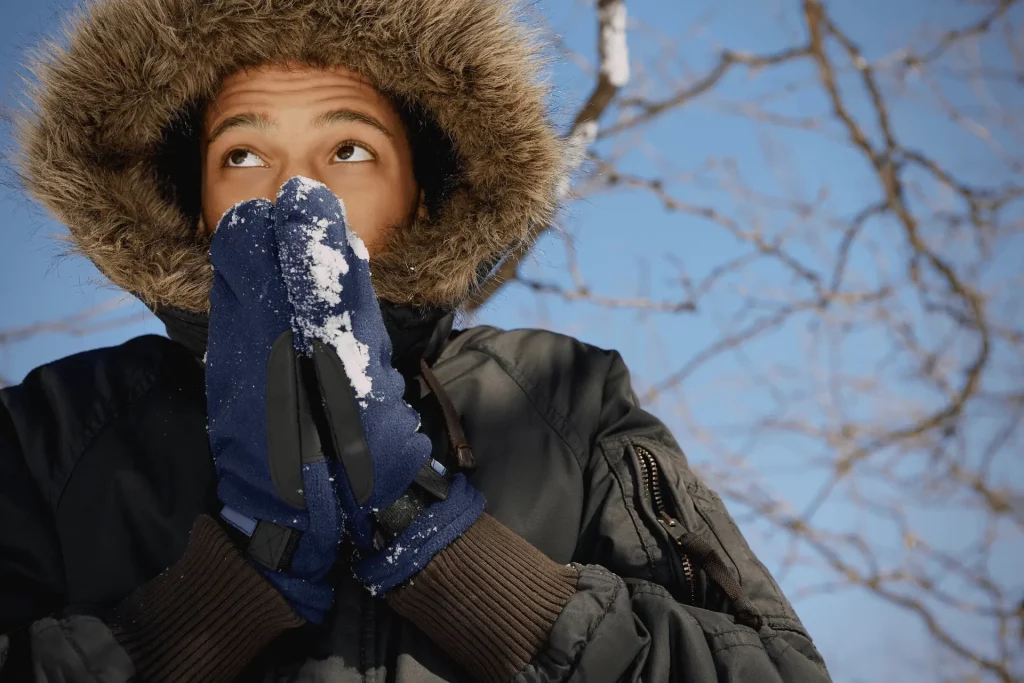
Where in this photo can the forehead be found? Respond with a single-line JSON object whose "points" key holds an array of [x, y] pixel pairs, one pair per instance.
{"points": [[295, 88]]}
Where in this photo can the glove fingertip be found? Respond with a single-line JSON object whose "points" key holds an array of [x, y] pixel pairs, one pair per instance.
{"points": [[242, 216], [242, 249], [301, 194]]}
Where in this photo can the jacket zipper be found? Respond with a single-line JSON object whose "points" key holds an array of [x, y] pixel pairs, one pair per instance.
{"points": [[651, 476]]}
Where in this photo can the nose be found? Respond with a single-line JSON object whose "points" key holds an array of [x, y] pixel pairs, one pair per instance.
{"points": [[295, 168]]}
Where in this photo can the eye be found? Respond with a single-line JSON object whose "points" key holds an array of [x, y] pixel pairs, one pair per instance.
{"points": [[350, 152], [243, 158]]}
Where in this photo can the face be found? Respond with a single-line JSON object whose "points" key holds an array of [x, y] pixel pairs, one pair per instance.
{"points": [[274, 123]]}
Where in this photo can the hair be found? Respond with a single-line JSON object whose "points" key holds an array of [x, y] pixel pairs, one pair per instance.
{"points": [[178, 159]]}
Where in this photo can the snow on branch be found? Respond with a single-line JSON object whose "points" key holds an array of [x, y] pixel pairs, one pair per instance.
{"points": [[612, 49], [613, 61], [613, 75]]}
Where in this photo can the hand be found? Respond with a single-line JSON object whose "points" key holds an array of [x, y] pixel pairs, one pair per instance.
{"points": [[279, 493], [399, 508]]}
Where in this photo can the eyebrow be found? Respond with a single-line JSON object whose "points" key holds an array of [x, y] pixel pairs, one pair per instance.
{"points": [[349, 116], [263, 122], [260, 122]]}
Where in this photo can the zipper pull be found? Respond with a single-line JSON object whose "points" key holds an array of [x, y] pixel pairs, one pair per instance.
{"points": [[672, 525]]}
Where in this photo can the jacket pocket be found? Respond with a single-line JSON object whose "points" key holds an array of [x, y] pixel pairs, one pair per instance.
{"points": [[728, 577], [663, 518], [756, 581], [678, 520]]}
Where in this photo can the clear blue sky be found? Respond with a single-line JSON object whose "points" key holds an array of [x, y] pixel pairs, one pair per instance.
{"points": [[862, 640]]}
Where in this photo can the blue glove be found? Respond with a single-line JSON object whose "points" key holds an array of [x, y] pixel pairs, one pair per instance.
{"points": [[400, 508], [282, 497]]}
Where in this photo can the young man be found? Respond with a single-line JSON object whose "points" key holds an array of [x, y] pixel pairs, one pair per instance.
{"points": [[293, 486]]}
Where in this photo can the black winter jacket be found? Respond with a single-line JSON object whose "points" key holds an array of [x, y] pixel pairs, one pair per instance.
{"points": [[105, 467]]}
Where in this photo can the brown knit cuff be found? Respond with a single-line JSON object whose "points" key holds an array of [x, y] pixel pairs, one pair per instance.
{"points": [[203, 619], [489, 600]]}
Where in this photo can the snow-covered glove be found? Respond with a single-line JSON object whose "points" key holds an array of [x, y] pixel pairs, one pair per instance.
{"points": [[401, 508], [279, 494]]}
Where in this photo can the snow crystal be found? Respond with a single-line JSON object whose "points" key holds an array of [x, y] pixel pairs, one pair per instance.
{"points": [[354, 354], [306, 185], [612, 48], [586, 133], [234, 211], [398, 549], [358, 246], [327, 265]]}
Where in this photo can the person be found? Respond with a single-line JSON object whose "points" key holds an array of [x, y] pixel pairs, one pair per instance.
{"points": [[315, 477]]}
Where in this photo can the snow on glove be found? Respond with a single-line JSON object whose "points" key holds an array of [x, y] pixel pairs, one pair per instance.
{"points": [[400, 507], [278, 493]]}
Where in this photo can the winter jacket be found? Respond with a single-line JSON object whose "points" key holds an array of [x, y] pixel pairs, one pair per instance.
{"points": [[601, 556], [106, 467]]}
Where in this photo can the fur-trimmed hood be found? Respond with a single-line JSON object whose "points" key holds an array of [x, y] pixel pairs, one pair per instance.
{"points": [[105, 103]]}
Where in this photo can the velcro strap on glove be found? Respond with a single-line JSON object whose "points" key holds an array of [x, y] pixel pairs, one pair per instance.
{"points": [[429, 486], [271, 545]]}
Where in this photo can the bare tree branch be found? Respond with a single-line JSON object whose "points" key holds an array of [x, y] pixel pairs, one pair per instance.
{"points": [[613, 75], [651, 110], [76, 324]]}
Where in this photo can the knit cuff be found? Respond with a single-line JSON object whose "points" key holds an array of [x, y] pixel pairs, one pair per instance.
{"points": [[203, 619], [489, 600]]}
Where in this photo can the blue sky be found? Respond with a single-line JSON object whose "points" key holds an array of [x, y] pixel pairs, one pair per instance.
{"points": [[621, 240]]}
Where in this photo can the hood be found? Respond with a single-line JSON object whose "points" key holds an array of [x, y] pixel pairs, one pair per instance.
{"points": [[109, 107]]}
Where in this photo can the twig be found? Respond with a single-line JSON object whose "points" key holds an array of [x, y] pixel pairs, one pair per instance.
{"points": [[613, 75]]}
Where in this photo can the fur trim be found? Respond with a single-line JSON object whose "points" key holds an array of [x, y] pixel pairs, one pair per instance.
{"points": [[104, 102]]}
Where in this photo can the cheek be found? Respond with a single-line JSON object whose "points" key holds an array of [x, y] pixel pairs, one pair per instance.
{"points": [[221, 191], [217, 198], [374, 206], [367, 218]]}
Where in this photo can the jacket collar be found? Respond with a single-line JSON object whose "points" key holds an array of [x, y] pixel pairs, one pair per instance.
{"points": [[415, 332]]}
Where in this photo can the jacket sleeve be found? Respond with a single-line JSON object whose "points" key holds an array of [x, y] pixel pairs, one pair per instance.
{"points": [[203, 619], [682, 600]]}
